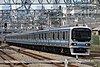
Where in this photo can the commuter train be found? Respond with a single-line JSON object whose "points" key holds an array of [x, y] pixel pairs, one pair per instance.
{"points": [[70, 40]]}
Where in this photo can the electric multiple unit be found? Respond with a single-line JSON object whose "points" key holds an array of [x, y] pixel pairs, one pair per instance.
{"points": [[74, 40]]}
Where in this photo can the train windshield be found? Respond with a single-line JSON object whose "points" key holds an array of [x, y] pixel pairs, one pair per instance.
{"points": [[81, 34]]}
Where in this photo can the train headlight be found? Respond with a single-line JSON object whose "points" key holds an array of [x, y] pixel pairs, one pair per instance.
{"points": [[74, 44], [87, 44]]}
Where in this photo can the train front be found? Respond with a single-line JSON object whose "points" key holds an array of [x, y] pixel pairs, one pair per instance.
{"points": [[80, 41]]}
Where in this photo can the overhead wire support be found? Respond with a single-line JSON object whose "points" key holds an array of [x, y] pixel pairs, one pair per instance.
{"points": [[15, 2], [26, 7]]}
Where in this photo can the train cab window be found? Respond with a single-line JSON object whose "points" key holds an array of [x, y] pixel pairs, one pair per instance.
{"points": [[99, 32], [81, 34]]}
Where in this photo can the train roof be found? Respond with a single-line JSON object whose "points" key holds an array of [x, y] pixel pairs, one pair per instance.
{"points": [[52, 29]]}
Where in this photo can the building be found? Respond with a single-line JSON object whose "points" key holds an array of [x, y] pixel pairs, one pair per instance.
{"points": [[96, 31]]}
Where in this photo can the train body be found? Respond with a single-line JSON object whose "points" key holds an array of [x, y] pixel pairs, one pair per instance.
{"points": [[74, 40]]}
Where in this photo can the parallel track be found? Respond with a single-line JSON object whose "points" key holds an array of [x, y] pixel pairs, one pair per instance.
{"points": [[95, 52], [12, 58], [39, 57], [92, 57]]}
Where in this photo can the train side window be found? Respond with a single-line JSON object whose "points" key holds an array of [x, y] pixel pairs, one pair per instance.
{"points": [[26, 36], [33, 36], [48, 35], [58, 35], [42, 35], [21, 37], [29, 36], [63, 35], [39, 36], [53, 35], [36, 36], [45, 36], [67, 35]]}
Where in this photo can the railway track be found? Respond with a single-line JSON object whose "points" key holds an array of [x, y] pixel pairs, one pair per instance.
{"points": [[95, 55], [9, 57], [39, 57], [4, 58], [95, 52]]}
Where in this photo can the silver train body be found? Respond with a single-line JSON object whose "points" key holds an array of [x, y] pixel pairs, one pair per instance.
{"points": [[74, 40]]}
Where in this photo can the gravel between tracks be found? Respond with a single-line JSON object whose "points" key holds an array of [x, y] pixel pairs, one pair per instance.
{"points": [[53, 56]]}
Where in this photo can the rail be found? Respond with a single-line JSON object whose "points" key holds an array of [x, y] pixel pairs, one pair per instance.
{"points": [[10, 62], [95, 52], [57, 63], [65, 62]]}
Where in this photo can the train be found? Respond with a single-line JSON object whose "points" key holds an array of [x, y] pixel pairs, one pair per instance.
{"points": [[68, 40]]}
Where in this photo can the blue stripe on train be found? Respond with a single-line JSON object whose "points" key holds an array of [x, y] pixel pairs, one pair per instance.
{"points": [[80, 44], [42, 41]]}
